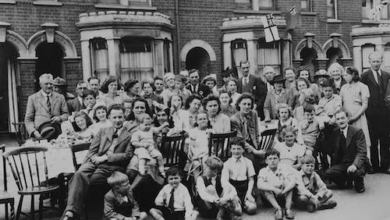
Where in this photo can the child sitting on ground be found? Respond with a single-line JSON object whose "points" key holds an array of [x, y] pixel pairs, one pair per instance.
{"points": [[217, 197], [310, 128], [144, 143], [276, 182], [174, 201], [311, 192], [119, 202], [239, 171]]}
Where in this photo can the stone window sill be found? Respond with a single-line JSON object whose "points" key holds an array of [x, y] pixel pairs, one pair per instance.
{"points": [[47, 3], [107, 6]]}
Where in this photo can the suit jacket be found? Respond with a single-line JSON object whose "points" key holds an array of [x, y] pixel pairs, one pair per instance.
{"points": [[356, 149], [123, 150], [250, 87], [74, 105], [203, 90], [270, 103], [116, 208], [376, 110], [260, 94], [242, 125], [37, 112]]}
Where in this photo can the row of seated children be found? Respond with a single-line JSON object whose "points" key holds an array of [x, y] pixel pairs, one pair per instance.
{"points": [[225, 190]]}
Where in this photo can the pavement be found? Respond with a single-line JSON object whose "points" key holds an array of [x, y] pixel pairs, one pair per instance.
{"points": [[370, 205]]}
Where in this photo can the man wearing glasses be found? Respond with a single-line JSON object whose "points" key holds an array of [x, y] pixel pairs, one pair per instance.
{"points": [[76, 104]]}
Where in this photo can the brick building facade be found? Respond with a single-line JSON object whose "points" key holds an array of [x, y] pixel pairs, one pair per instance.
{"points": [[76, 39]]}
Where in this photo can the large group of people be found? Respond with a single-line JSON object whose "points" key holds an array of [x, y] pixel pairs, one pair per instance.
{"points": [[339, 113]]}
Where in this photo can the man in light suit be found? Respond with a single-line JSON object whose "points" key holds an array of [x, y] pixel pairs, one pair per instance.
{"points": [[75, 105], [348, 150], [378, 117], [44, 106], [195, 86], [110, 150]]}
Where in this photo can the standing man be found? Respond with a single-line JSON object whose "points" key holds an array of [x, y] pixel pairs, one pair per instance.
{"points": [[110, 151], [378, 118], [348, 151], [269, 74], [248, 82], [44, 106], [77, 104], [195, 86], [94, 85]]}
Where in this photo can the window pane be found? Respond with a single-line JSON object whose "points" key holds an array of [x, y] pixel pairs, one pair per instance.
{"points": [[331, 8], [366, 50], [385, 12], [99, 56], [239, 51], [386, 57], [167, 57], [268, 54], [266, 4], [136, 59], [305, 4]]}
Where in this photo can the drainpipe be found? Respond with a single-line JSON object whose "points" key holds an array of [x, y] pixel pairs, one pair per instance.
{"points": [[177, 35]]}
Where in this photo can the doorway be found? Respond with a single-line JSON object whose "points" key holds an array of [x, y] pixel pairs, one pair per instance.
{"points": [[198, 58], [50, 60]]}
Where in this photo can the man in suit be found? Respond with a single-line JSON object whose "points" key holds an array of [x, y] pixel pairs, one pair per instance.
{"points": [[77, 104], [110, 150], [94, 85], [377, 115], [248, 82], [348, 150], [44, 106], [195, 86]]}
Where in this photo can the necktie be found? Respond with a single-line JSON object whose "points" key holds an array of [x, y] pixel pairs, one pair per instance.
{"points": [[379, 80], [48, 104], [246, 81], [172, 201], [115, 134]]}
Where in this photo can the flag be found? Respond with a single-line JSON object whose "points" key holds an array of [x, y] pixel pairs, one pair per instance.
{"points": [[292, 18], [270, 29]]}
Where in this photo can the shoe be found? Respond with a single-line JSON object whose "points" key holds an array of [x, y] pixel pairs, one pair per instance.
{"points": [[289, 214], [68, 215], [328, 205], [348, 185], [373, 171], [311, 208], [359, 185], [278, 214], [360, 189]]}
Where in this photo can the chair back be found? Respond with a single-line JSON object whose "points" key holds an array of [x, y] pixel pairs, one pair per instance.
{"points": [[219, 144], [267, 139], [21, 132], [2, 150], [28, 166], [172, 149], [77, 153]]}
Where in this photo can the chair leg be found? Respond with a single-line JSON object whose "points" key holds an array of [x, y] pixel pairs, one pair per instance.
{"points": [[40, 207], [32, 216], [6, 211], [19, 207], [12, 204]]}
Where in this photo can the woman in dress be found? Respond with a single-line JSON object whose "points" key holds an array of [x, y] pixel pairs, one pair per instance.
{"points": [[335, 71], [231, 88], [354, 96], [226, 103], [192, 106], [179, 116], [153, 100], [219, 122], [301, 84], [111, 95], [275, 97], [304, 72], [81, 126]]}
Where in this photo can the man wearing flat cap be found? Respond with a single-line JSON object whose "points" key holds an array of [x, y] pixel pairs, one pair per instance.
{"points": [[44, 106]]}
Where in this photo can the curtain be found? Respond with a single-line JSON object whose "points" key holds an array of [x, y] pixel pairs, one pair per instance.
{"points": [[366, 50], [100, 58], [136, 65], [268, 57], [12, 97]]}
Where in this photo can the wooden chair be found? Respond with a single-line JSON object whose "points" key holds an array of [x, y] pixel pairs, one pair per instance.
{"points": [[21, 132], [219, 144], [172, 148], [267, 139], [31, 178], [5, 197], [76, 148]]}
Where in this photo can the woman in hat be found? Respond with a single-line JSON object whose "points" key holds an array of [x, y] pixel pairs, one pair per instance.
{"points": [[111, 95], [132, 88], [320, 77], [276, 96], [219, 122], [60, 86]]}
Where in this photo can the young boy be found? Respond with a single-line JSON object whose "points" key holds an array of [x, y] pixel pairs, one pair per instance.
{"points": [[180, 83], [218, 198], [119, 202], [174, 201], [330, 103], [311, 192], [276, 182], [310, 128], [239, 171]]}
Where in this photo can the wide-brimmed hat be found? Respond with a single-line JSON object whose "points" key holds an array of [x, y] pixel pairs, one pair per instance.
{"points": [[321, 73], [59, 82], [49, 130], [279, 79]]}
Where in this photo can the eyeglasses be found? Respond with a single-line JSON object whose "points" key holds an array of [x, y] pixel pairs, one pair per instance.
{"points": [[83, 88]]}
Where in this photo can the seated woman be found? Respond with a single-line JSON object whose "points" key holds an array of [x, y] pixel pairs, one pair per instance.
{"points": [[192, 107], [301, 84], [218, 121], [226, 103], [275, 97], [211, 82], [100, 118], [179, 116], [111, 92], [81, 125], [231, 88], [290, 152]]}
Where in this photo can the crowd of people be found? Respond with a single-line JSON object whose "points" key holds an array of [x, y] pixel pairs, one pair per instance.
{"points": [[336, 112]]}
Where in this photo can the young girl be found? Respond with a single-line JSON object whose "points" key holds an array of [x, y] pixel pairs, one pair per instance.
{"points": [[81, 125], [198, 146], [179, 116], [285, 119], [100, 118], [290, 152], [144, 143]]}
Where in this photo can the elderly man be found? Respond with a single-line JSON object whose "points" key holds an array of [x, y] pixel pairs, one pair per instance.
{"points": [[378, 116], [269, 74], [110, 150], [195, 86], [77, 104], [348, 150], [44, 106]]}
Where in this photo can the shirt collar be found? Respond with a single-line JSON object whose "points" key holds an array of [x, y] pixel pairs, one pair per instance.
{"points": [[45, 94], [345, 131], [377, 71]]}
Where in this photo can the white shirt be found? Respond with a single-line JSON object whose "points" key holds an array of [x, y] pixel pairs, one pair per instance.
{"points": [[115, 140], [245, 80], [345, 131], [269, 87]]}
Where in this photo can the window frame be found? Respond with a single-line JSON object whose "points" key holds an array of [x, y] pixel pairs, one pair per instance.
{"points": [[273, 7], [93, 43], [334, 8], [236, 63], [276, 66], [365, 56], [309, 7]]}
